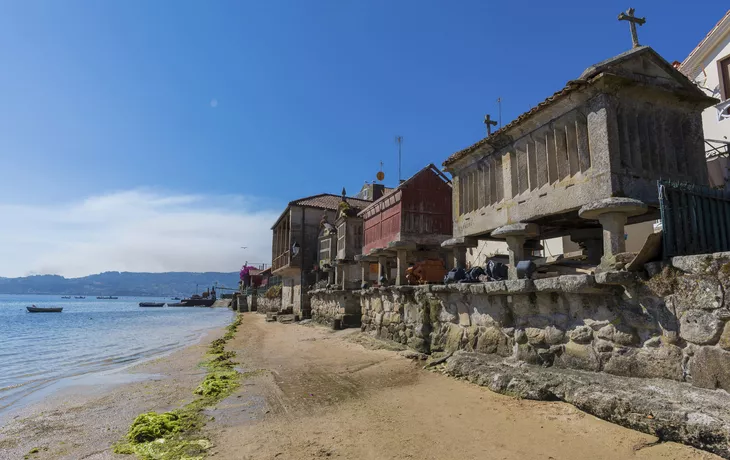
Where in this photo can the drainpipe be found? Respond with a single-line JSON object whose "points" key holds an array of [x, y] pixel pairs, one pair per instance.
{"points": [[301, 269]]}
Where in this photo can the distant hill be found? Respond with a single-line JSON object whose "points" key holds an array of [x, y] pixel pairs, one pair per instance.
{"points": [[119, 284]]}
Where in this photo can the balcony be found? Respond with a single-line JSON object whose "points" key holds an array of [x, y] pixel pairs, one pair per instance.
{"points": [[281, 261]]}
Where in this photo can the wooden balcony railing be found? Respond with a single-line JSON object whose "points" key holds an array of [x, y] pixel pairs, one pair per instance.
{"points": [[281, 261]]}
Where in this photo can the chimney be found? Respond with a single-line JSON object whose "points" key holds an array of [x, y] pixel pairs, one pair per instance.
{"points": [[377, 191]]}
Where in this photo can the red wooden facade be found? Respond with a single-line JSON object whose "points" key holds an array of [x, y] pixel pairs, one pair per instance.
{"points": [[417, 211]]}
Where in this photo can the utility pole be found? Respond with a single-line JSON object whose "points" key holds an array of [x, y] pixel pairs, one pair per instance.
{"points": [[399, 141]]}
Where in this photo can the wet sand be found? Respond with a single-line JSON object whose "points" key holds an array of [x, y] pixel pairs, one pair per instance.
{"points": [[83, 421], [313, 393]]}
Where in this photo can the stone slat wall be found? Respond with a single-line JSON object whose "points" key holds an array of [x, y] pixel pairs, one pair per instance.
{"points": [[674, 325]]}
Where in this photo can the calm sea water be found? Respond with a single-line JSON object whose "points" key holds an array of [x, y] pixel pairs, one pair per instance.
{"points": [[39, 349]]}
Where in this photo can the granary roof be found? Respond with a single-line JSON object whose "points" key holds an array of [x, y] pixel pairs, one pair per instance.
{"points": [[405, 183], [573, 85]]}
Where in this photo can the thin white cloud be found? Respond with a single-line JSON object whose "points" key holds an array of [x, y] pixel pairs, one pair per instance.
{"points": [[135, 230]]}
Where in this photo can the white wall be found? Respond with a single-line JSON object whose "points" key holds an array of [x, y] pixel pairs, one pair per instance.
{"points": [[709, 79], [484, 251]]}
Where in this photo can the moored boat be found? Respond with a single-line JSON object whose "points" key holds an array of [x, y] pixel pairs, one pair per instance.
{"points": [[197, 301], [65, 296], [152, 304], [178, 304], [101, 297], [80, 297], [34, 309]]}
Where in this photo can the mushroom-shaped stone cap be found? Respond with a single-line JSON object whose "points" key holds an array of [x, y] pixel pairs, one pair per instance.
{"points": [[402, 245], [519, 229], [460, 241], [627, 206]]}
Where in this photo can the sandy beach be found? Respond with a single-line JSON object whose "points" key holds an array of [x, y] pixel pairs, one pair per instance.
{"points": [[316, 394], [82, 421], [309, 392]]}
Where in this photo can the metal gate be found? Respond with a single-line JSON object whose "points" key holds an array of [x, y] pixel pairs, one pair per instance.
{"points": [[695, 219]]}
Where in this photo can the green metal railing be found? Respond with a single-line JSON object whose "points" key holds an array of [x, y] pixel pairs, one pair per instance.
{"points": [[695, 219]]}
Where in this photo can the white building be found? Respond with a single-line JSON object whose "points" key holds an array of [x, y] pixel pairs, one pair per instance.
{"points": [[708, 65]]}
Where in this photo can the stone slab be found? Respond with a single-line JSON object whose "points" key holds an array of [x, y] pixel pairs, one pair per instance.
{"points": [[627, 206], [673, 411]]}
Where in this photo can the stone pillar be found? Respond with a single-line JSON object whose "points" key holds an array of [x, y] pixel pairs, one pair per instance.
{"points": [[591, 241], [516, 235], [337, 280], [612, 213], [402, 264], [382, 268], [458, 246], [343, 276], [459, 253], [364, 271]]}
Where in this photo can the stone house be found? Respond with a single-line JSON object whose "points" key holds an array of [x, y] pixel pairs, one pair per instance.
{"points": [[708, 65], [409, 224], [341, 241], [584, 162], [295, 246]]}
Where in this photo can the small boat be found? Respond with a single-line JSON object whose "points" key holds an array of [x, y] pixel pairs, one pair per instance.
{"points": [[35, 309], [101, 297], [80, 297], [152, 304], [175, 298], [65, 296]]}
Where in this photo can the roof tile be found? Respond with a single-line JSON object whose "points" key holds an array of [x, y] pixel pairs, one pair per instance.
{"points": [[329, 201]]}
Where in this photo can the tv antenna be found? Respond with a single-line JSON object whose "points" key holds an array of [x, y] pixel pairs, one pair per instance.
{"points": [[399, 141], [499, 103]]}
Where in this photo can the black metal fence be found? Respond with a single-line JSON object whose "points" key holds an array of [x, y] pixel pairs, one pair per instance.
{"points": [[695, 219]]}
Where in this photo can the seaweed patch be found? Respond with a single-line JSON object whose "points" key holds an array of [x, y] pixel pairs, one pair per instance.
{"points": [[175, 434]]}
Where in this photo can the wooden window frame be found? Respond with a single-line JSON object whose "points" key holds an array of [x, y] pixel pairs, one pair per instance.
{"points": [[724, 79]]}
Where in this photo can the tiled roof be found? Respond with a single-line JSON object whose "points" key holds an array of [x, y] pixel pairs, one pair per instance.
{"points": [[403, 184], [329, 201], [684, 65]]}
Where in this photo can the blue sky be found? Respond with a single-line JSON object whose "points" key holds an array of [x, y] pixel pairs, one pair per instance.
{"points": [[247, 105]]}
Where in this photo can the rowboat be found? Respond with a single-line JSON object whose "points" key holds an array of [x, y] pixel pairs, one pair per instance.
{"points": [[35, 309], [152, 304]]}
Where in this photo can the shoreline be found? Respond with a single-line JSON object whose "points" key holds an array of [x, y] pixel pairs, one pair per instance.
{"points": [[100, 376], [84, 419]]}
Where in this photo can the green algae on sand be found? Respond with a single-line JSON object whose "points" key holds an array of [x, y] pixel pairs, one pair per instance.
{"points": [[175, 434]]}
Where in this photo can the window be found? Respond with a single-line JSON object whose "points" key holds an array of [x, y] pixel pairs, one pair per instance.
{"points": [[724, 76]]}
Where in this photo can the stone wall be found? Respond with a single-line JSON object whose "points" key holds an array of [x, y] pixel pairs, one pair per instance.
{"points": [[673, 325], [329, 305], [265, 305]]}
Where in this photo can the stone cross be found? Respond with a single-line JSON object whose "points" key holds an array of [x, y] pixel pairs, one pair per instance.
{"points": [[629, 16], [489, 122]]}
